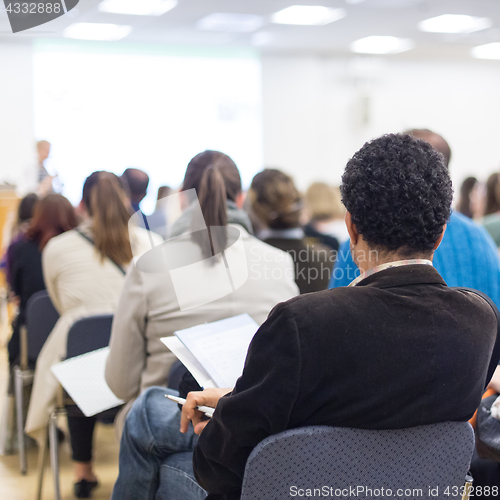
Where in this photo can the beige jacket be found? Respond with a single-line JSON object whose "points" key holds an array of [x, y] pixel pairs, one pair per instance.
{"points": [[80, 285], [148, 310]]}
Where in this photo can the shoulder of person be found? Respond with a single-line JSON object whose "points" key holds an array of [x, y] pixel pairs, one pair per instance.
{"points": [[143, 240], [62, 242], [268, 253]]}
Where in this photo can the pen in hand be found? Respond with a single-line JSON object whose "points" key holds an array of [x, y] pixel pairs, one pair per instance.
{"points": [[205, 409]]}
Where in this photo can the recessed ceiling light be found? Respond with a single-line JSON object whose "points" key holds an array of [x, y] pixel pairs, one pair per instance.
{"points": [[381, 45], [239, 23], [488, 51], [451, 23], [312, 15], [97, 31], [137, 7]]}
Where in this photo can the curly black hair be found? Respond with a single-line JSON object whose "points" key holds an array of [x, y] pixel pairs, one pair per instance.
{"points": [[398, 191]]}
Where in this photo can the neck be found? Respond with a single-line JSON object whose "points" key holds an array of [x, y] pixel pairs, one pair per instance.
{"points": [[370, 258]]}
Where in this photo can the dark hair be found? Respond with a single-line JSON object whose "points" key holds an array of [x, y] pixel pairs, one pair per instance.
{"points": [[491, 204], [136, 183], [26, 207], [216, 179], [465, 191], [435, 140], [108, 205], [53, 215], [398, 191], [275, 199]]}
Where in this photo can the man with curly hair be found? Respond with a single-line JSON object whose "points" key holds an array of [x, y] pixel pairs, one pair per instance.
{"points": [[467, 255], [396, 349]]}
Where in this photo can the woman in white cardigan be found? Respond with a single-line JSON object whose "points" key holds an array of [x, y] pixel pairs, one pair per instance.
{"points": [[84, 271], [153, 306]]}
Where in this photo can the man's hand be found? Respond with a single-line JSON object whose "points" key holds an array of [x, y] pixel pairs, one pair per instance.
{"points": [[208, 397]]}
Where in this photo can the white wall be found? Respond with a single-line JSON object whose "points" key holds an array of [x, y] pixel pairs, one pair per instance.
{"points": [[319, 111], [17, 148]]}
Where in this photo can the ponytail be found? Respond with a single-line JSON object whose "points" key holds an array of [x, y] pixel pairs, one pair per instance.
{"points": [[216, 179], [213, 203], [108, 208]]}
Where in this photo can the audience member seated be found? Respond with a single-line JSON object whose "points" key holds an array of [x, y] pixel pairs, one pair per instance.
{"points": [[24, 215], [149, 308], [466, 257], [398, 348], [157, 221], [491, 219], [53, 215], [136, 183], [325, 214], [84, 271], [277, 203], [464, 202]]}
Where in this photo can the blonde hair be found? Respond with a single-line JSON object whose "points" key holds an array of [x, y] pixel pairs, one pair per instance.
{"points": [[107, 204], [323, 202]]}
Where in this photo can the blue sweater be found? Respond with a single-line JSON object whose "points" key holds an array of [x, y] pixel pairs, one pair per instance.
{"points": [[466, 257]]}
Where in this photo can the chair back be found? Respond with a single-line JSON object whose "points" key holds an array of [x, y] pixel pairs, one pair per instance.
{"points": [[339, 459], [41, 317], [89, 334]]}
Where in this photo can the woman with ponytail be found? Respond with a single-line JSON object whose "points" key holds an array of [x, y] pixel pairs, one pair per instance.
{"points": [[84, 271], [152, 306]]}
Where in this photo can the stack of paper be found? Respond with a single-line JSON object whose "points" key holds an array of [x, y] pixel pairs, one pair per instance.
{"points": [[214, 353], [83, 379]]}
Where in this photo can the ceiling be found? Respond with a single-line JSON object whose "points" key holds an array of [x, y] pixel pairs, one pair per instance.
{"points": [[364, 18]]}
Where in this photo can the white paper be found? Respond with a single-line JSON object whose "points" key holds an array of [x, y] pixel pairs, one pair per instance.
{"points": [[221, 347], [83, 379], [190, 362]]}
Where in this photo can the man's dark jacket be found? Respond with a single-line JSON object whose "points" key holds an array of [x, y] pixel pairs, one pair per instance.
{"points": [[398, 350]]}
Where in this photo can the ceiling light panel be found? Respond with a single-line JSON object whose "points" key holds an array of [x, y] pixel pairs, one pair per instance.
{"points": [[137, 7], [237, 23], [381, 45], [97, 31], [488, 51], [451, 23], [308, 15]]}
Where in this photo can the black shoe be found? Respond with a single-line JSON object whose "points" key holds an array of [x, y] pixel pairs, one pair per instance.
{"points": [[83, 489]]}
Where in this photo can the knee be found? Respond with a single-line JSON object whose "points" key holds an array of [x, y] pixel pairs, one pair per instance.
{"points": [[150, 409], [154, 399]]}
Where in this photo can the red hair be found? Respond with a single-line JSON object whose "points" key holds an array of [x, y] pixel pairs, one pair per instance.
{"points": [[53, 215]]}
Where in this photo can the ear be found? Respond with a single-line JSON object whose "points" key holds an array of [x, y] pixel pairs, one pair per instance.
{"points": [[240, 199], [351, 228], [440, 239]]}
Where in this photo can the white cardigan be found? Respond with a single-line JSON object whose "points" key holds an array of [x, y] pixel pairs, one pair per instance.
{"points": [[80, 284]]}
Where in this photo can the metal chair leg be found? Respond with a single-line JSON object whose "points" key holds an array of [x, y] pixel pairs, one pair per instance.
{"points": [[467, 487], [42, 454], [54, 454], [19, 390], [7, 426]]}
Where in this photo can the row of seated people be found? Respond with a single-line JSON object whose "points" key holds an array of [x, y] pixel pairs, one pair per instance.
{"points": [[84, 272]]}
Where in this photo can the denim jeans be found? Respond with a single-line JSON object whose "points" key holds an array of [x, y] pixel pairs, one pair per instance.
{"points": [[155, 458]]}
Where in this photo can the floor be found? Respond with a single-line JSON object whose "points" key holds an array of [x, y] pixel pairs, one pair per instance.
{"points": [[14, 486]]}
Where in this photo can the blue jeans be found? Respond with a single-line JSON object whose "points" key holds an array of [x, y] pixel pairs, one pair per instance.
{"points": [[155, 458]]}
